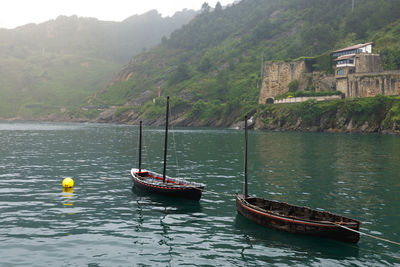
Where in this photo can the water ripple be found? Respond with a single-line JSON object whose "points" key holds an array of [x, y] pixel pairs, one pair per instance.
{"points": [[102, 221]]}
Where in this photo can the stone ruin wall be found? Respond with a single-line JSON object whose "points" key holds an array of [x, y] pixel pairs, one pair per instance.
{"points": [[370, 84], [278, 75], [370, 79], [320, 80], [368, 63]]}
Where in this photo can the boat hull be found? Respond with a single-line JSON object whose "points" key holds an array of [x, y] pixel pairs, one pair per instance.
{"points": [[171, 188], [292, 224]]}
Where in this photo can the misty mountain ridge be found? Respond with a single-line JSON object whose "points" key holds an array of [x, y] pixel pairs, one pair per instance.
{"points": [[210, 65], [102, 38], [56, 65]]}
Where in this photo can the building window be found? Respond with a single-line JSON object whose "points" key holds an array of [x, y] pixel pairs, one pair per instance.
{"points": [[340, 72], [345, 61]]}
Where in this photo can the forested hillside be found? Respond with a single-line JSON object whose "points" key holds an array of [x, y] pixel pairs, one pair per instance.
{"points": [[211, 67], [55, 66]]}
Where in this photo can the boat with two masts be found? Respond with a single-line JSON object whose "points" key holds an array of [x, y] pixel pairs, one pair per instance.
{"points": [[156, 183]]}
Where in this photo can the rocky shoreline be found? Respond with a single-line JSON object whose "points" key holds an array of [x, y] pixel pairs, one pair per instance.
{"points": [[263, 120], [333, 121]]}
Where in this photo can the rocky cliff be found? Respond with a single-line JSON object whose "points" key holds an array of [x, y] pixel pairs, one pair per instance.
{"points": [[369, 115]]}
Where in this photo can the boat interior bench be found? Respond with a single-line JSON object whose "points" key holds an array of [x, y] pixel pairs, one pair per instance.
{"points": [[142, 174]]}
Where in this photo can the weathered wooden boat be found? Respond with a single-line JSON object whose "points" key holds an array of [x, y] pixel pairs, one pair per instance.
{"points": [[153, 182], [294, 219]]}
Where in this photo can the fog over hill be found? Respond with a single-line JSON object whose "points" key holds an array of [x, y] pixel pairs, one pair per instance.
{"points": [[53, 66]]}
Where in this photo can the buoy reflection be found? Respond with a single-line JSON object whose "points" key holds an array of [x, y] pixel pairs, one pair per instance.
{"points": [[67, 196]]}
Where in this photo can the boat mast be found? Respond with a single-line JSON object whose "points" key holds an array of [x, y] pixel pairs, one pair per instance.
{"points": [[245, 158], [166, 140], [140, 146]]}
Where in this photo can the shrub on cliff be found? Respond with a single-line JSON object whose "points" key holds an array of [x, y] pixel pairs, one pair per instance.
{"points": [[374, 114], [392, 120], [391, 58], [310, 112], [293, 86], [365, 110]]}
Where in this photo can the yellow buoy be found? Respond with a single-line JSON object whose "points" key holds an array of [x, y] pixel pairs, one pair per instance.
{"points": [[68, 182]]}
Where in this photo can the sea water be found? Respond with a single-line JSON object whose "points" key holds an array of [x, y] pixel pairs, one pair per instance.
{"points": [[104, 221]]}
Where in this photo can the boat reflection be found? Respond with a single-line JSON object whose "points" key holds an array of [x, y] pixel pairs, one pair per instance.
{"points": [[323, 247], [166, 204]]}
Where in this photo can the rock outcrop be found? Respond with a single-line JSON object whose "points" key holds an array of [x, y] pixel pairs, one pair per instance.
{"points": [[311, 116]]}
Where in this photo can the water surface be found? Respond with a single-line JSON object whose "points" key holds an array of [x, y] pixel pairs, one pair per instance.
{"points": [[103, 221]]}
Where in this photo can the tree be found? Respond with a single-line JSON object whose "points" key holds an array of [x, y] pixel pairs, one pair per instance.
{"points": [[391, 58], [317, 38], [218, 7], [205, 64], [182, 73], [263, 30], [205, 8]]}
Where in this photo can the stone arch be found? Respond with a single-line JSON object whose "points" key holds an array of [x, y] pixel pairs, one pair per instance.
{"points": [[269, 100]]}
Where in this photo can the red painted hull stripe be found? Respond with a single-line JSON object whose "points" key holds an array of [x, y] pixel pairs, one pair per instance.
{"points": [[159, 178], [167, 180]]}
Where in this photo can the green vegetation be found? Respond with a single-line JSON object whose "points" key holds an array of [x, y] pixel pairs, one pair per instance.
{"points": [[378, 113], [387, 41], [210, 67], [293, 86], [321, 62], [213, 63], [308, 112], [54, 67], [391, 58], [393, 115]]}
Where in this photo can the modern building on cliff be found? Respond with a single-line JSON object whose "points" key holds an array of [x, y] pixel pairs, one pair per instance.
{"points": [[352, 50], [359, 73], [355, 59]]}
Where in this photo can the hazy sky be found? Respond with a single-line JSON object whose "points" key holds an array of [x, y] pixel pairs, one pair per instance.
{"points": [[15, 13]]}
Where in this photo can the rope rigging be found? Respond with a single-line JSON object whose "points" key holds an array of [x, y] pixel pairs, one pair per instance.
{"points": [[342, 226], [174, 143], [145, 156], [372, 236]]}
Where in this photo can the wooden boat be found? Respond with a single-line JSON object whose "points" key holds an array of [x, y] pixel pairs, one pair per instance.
{"points": [[294, 219], [153, 182]]}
